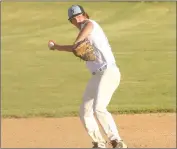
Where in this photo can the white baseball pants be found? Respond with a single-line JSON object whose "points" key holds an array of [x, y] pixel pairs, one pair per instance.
{"points": [[97, 96]]}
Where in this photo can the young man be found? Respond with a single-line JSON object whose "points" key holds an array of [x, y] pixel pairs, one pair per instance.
{"points": [[103, 83]]}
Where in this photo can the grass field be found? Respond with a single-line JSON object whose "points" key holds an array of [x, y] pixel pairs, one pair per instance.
{"points": [[39, 82]]}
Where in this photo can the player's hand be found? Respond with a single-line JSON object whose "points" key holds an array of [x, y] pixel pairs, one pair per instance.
{"points": [[51, 45]]}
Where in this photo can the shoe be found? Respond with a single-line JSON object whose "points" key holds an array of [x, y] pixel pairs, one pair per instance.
{"points": [[98, 145], [118, 144]]}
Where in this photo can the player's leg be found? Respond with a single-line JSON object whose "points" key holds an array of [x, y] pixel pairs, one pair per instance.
{"points": [[108, 84], [86, 114]]}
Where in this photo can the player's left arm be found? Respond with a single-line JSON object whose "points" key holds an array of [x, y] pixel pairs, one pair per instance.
{"points": [[85, 31]]}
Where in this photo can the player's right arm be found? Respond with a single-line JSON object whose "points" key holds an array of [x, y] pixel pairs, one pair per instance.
{"points": [[53, 46], [67, 48]]}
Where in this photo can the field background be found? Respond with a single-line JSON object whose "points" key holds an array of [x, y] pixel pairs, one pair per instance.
{"points": [[39, 82]]}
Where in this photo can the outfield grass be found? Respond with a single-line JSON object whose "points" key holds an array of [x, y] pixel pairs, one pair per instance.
{"points": [[39, 82]]}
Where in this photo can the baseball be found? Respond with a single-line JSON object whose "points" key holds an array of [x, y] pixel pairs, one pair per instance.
{"points": [[51, 44]]}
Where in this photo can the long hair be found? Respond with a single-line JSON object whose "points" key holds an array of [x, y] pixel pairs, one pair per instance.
{"points": [[86, 15]]}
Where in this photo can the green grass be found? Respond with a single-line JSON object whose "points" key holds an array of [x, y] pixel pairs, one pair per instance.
{"points": [[39, 82]]}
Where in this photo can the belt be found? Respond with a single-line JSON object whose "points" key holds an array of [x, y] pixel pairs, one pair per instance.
{"points": [[101, 69]]}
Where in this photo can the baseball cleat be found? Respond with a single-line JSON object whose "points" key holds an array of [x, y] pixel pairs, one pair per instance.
{"points": [[118, 144], [98, 145]]}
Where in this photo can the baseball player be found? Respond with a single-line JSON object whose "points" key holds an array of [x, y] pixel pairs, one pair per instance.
{"points": [[105, 79]]}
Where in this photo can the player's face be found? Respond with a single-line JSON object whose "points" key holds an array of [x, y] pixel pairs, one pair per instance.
{"points": [[77, 20]]}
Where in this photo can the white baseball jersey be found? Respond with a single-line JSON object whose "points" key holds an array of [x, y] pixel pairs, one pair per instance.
{"points": [[102, 48]]}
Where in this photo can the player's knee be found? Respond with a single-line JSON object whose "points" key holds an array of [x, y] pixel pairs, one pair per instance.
{"points": [[99, 110]]}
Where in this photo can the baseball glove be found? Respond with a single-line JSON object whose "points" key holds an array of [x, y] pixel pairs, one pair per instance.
{"points": [[84, 50]]}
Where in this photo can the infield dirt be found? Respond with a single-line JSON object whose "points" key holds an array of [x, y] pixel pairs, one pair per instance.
{"points": [[140, 131]]}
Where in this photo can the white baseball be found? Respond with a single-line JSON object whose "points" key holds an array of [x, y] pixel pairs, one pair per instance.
{"points": [[51, 44]]}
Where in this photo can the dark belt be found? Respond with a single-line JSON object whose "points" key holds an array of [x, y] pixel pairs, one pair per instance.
{"points": [[102, 69]]}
